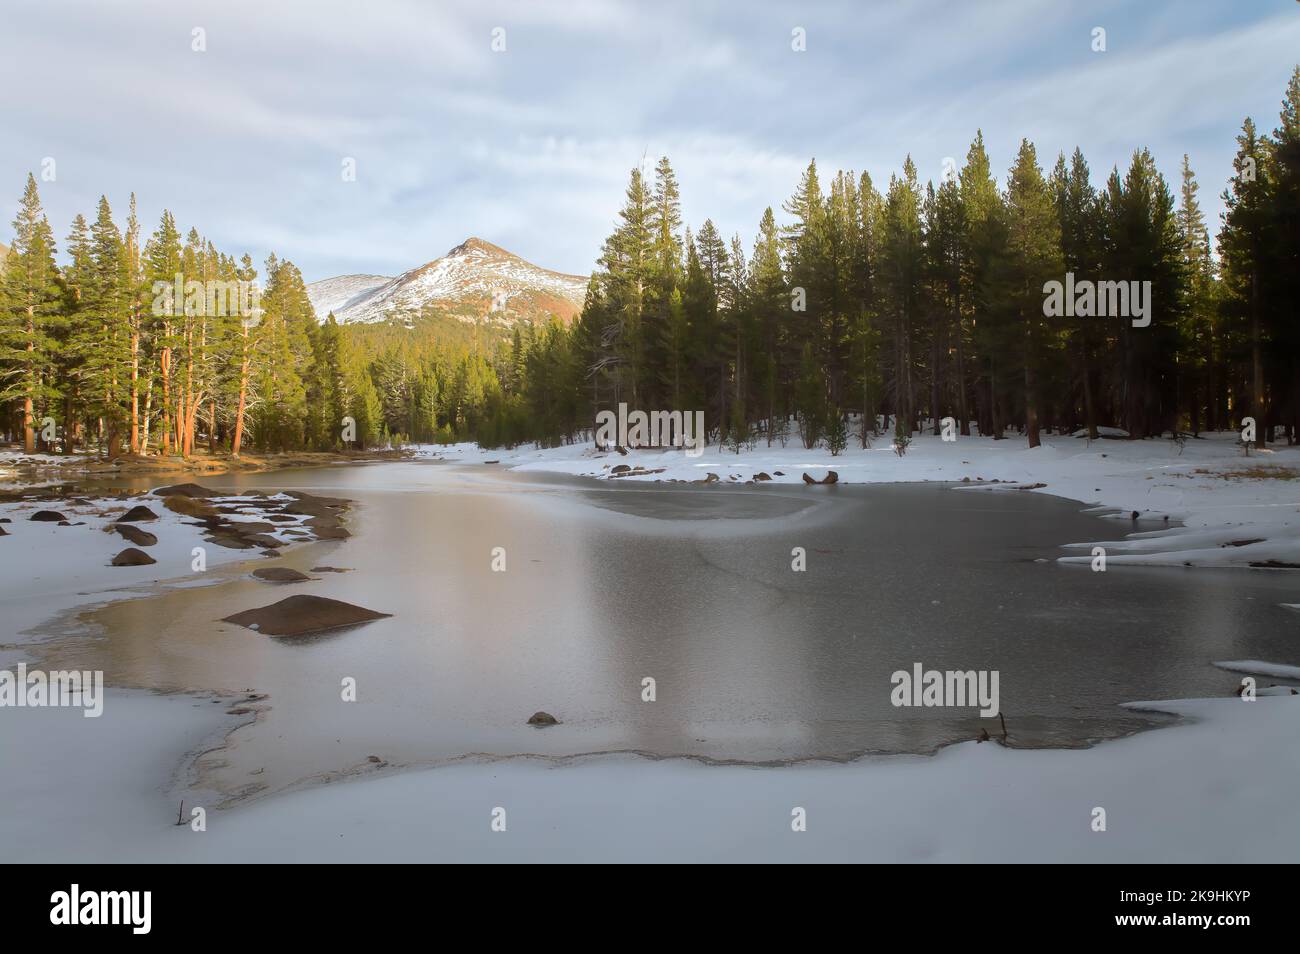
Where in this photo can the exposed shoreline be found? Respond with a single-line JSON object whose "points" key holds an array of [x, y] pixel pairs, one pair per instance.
{"points": [[19, 472]]}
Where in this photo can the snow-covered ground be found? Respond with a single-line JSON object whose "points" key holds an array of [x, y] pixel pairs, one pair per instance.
{"points": [[1219, 787]]}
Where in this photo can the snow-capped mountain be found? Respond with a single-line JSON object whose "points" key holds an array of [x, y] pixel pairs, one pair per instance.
{"points": [[475, 280], [336, 294]]}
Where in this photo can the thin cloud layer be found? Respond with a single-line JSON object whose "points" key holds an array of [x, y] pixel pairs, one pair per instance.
{"points": [[531, 147]]}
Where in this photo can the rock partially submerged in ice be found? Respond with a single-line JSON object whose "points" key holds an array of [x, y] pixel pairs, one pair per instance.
{"points": [[304, 615], [280, 574], [831, 478], [141, 538], [138, 512], [47, 516], [189, 506], [542, 719], [184, 490], [133, 557]]}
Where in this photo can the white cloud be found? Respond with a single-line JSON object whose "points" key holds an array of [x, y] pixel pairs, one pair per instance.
{"points": [[531, 148]]}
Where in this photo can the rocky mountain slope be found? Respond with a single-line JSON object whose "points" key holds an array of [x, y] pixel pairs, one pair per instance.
{"points": [[476, 280]]}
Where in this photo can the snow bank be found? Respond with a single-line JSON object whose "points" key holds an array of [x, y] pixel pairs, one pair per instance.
{"points": [[1255, 667], [1216, 788]]}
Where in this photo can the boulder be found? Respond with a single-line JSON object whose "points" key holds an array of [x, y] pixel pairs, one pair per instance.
{"points": [[138, 512], [141, 538], [310, 508], [280, 574], [185, 490], [327, 501], [246, 527], [830, 478], [229, 541], [47, 516], [542, 719], [303, 615], [133, 557], [189, 506]]}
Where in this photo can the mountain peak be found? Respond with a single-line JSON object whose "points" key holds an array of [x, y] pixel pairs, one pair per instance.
{"points": [[474, 281], [476, 244]]}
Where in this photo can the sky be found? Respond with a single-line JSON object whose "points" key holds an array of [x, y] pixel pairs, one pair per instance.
{"points": [[530, 146]]}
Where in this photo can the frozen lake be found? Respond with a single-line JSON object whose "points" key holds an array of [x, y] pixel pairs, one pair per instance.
{"points": [[607, 584]]}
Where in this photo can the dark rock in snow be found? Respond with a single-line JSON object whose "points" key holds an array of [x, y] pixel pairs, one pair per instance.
{"points": [[830, 478], [189, 506], [133, 557], [542, 719], [138, 512], [47, 516], [184, 490], [141, 538]]}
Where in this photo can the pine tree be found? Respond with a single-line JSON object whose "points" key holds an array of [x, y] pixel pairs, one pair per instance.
{"points": [[1034, 241], [1198, 332], [1286, 259], [105, 316], [29, 306], [770, 302], [162, 267]]}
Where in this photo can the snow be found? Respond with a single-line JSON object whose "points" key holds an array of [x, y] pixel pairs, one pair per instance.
{"points": [[1218, 787], [1256, 667], [343, 291]]}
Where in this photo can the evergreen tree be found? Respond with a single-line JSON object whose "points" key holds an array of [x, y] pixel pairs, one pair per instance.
{"points": [[29, 307]]}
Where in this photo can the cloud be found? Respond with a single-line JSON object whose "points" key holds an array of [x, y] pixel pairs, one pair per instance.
{"points": [[531, 148]]}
